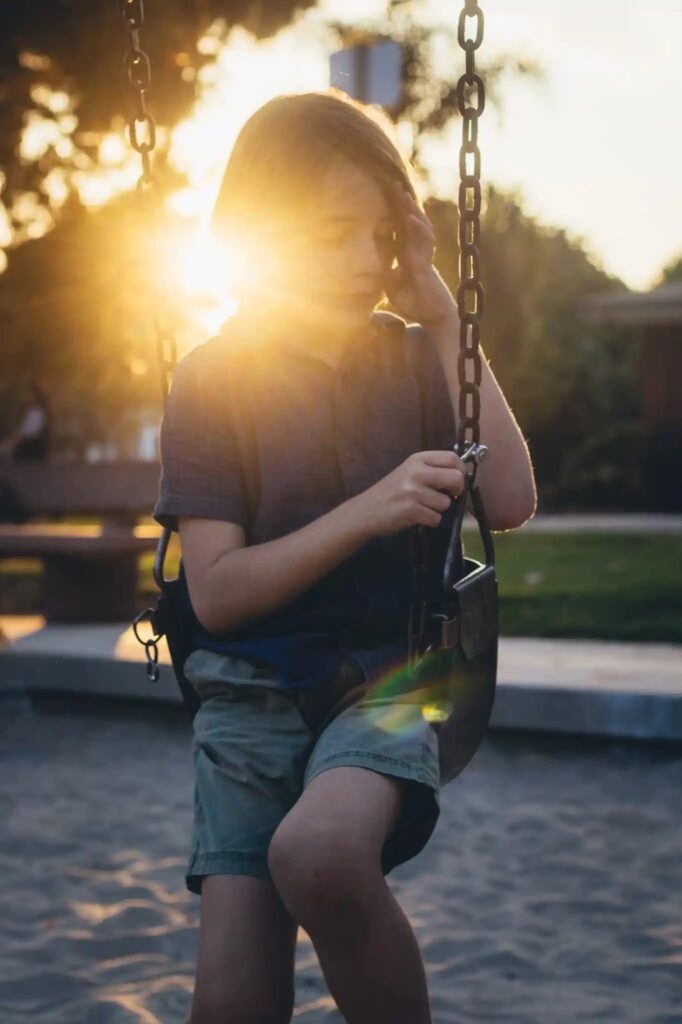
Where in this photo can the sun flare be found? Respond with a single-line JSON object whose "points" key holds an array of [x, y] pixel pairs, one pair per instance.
{"points": [[245, 74]]}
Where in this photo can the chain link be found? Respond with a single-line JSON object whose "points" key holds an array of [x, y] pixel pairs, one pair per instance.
{"points": [[142, 132], [471, 104]]}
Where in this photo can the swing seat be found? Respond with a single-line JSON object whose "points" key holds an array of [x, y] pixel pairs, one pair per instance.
{"points": [[457, 674], [452, 668]]}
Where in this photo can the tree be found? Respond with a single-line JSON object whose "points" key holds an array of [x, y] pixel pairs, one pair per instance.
{"points": [[75, 47], [72, 302], [430, 101], [73, 308], [570, 386], [672, 272]]}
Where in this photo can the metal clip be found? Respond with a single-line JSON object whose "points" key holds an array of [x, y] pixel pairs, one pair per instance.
{"points": [[475, 452], [151, 648]]}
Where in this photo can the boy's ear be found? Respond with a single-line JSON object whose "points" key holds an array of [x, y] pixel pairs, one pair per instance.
{"points": [[400, 243]]}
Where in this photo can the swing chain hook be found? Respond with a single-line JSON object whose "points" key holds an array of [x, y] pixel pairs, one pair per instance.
{"points": [[474, 454], [151, 644]]}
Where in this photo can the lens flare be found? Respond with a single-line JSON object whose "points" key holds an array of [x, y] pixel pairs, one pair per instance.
{"points": [[396, 702]]}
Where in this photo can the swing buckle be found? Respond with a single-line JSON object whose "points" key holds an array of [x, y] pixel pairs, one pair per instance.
{"points": [[151, 648], [475, 452]]}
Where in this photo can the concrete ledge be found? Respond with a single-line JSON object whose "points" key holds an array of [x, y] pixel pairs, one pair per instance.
{"points": [[563, 686], [589, 712], [596, 522]]}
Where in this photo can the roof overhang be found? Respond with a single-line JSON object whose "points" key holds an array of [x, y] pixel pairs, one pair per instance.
{"points": [[635, 309]]}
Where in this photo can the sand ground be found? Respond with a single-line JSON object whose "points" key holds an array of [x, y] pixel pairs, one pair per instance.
{"points": [[550, 892]]}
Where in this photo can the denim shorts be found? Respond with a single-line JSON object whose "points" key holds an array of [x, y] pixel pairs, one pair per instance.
{"points": [[257, 745]]}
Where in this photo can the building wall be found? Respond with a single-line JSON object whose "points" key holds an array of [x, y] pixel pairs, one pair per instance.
{"points": [[661, 375]]}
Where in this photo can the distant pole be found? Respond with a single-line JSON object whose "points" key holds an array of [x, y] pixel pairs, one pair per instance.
{"points": [[363, 58], [370, 72]]}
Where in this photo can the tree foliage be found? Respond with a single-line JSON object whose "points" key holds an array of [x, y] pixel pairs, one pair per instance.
{"points": [[672, 272], [73, 311], [78, 45], [569, 384], [429, 100]]}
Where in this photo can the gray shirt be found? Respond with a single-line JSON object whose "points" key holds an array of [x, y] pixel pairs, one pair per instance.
{"points": [[270, 437]]}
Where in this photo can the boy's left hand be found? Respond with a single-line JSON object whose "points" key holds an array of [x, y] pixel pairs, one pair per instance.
{"points": [[414, 287]]}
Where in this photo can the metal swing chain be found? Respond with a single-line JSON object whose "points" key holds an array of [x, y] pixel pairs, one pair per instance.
{"points": [[138, 67], [139, 75], [470, 86]]}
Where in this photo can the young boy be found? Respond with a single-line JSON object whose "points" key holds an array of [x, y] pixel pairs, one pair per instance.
{"points": [[298, 448]]}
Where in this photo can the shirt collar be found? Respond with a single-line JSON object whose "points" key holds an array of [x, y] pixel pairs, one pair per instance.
{"points": [[385, 336]]}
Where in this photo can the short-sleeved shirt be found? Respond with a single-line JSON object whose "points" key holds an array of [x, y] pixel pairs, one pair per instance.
{"points": [[271, 437]]}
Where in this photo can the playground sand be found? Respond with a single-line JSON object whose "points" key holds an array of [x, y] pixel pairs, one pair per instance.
{"points": [[550, 892]]}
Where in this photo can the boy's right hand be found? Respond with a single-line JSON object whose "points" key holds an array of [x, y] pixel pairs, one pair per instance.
{"points": [[411, 494]]}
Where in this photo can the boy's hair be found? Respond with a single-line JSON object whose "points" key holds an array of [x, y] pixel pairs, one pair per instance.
{"points": [[271, 182]]}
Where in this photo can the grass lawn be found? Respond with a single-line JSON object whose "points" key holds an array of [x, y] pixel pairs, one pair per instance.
{"points": [[589, 586]]}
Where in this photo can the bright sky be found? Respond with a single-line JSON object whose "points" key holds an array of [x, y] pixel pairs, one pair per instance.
{"points": [[574, 145]]}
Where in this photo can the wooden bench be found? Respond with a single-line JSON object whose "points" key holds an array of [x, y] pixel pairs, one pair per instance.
{"points": [[90, 572]]}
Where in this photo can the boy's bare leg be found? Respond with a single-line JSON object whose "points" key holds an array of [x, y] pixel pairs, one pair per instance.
{"points": [[325, 859], [371, 962], [245, 963]]}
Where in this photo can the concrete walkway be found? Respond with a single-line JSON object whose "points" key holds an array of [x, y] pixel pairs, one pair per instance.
{"points": [[597, 522], [567, 686]]}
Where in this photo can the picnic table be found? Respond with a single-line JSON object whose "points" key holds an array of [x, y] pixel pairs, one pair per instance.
{"points": [[90, 572]]}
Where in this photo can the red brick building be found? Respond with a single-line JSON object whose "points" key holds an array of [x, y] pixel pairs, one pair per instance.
{"points": [[656, 318]]}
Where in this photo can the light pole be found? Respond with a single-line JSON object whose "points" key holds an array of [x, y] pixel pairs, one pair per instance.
{"points": [[370, 72]]}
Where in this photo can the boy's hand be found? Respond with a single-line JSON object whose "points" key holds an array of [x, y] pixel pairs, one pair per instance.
{"points": [[412, 494], [414, 287]]}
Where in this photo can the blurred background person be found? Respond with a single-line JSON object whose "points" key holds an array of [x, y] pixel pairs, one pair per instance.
{"points": [[30, 440], [31, 437]]}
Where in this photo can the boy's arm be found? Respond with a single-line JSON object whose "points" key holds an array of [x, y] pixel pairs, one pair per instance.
{"points": [[505, 476], [250, 582]]}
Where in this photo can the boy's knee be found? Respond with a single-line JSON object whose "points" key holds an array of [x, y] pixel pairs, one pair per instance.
{"points": [[320, 872]]}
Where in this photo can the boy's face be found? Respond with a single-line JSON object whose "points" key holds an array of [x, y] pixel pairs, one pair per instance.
{"points": [[341, 261]]}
